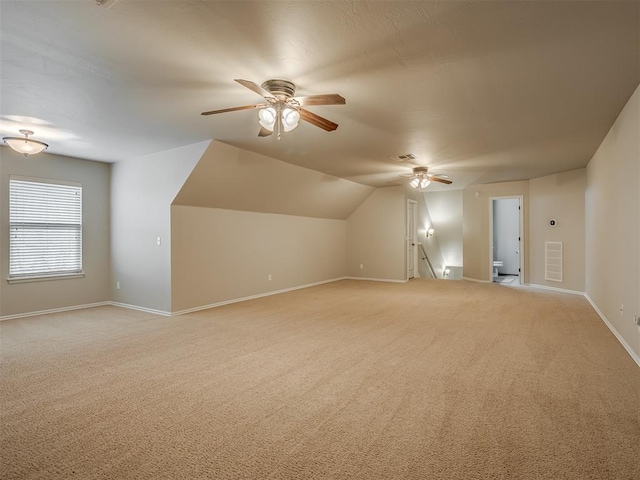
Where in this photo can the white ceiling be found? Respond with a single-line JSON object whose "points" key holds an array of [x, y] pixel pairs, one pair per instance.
{"points": [[482, 91]]}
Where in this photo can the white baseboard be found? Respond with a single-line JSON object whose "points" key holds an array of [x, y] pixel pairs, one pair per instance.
{"points": [[162, 312], [54, 310], [253, 297], [627, 347], [556, 289], [376, 279], [476, 280], [140, 309]]}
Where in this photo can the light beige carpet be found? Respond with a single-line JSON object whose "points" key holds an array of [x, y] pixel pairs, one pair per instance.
{"points": [[349, 380]]}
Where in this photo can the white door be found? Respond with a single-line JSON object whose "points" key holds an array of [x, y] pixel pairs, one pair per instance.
{"points": [[412, 247]]}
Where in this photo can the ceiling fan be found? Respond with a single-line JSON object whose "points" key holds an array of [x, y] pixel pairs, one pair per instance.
{"points": [[420, 178], [283, 110]]}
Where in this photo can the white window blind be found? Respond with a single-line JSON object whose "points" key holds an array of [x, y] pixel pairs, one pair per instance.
{"points": [[45, 228]]}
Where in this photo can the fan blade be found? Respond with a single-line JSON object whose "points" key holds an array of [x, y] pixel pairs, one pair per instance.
{"points": [[264, 132], [327, 99], [441, 180], [317, 120], [256, 88], [234, 109]]}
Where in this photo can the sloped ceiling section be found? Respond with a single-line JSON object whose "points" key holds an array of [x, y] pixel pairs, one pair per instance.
{"points": [[483, 91], [235, 179]]}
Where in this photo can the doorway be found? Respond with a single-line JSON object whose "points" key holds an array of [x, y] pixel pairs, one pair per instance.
{"points": [[506, 243]]}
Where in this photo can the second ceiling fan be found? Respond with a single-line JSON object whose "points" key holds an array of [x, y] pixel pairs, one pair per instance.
{"points": [[283, 110]]}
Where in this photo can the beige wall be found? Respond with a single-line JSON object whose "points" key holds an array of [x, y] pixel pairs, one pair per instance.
{"points": [[235, 179], [445, 208], [431, 245], [376, 236], [475, 226], [142, 190], [220, 255], [52, 294], [241, 217], [559, 197], [613, 224]]}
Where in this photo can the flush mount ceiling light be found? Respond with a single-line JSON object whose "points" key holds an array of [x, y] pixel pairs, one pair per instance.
{"points": [[25, 145]]}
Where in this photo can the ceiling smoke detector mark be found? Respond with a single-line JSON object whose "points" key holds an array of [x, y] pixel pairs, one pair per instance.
{"points": [[404, 158], [106, 3]]}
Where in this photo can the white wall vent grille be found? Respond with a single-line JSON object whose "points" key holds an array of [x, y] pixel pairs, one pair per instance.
{"points": [[553, 261]]}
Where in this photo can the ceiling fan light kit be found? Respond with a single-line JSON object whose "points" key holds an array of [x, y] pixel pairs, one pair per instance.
{"points": [[283, 111], [422, 179], [420, 182], [25, 145]]}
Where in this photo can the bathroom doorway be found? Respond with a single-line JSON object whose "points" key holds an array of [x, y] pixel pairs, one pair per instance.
{"points": [[506, 240]]}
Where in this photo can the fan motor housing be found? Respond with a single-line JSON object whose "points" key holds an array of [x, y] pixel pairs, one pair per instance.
{"points": [[280, 88]]}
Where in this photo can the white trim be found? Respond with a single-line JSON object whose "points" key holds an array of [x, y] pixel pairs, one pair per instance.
{"points": [[476, 280], [389, 280], [563, 290], [141, 309], [253, 297], [54, 181], [169, 314], [54, 310], [413, 260], [620, 338], [44, 278]]}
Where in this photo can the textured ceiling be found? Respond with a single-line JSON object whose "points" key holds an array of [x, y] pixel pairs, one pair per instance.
{"points": [[482, 91]]}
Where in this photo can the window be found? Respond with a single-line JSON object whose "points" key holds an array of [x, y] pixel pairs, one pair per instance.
{"points": [[45, 229]]}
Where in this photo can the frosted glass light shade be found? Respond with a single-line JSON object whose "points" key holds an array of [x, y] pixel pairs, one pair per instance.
{"points": [[415, 182], [290, 119], [424, 183], [267, 118], [25, 145]]}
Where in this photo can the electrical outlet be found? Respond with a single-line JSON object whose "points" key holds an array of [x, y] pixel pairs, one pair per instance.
{"points": [[158, 241], [636, 319], [269, 278], [361, 266], [117, 285]]}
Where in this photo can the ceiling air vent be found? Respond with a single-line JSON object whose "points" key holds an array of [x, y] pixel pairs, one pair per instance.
{"points": [[106, 3], [404, 158]]}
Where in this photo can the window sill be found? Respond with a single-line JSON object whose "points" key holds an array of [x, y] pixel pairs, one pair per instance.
{"points": [[44, 278]]}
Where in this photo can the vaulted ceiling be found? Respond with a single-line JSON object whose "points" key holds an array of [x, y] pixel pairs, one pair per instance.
{"points": [[481, 91]]}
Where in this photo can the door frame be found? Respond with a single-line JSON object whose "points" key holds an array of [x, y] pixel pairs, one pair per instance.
{"points": [[413, 260], [521, 234]]}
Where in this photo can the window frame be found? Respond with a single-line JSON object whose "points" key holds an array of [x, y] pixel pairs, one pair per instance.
{"points": [[45, 276]]}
